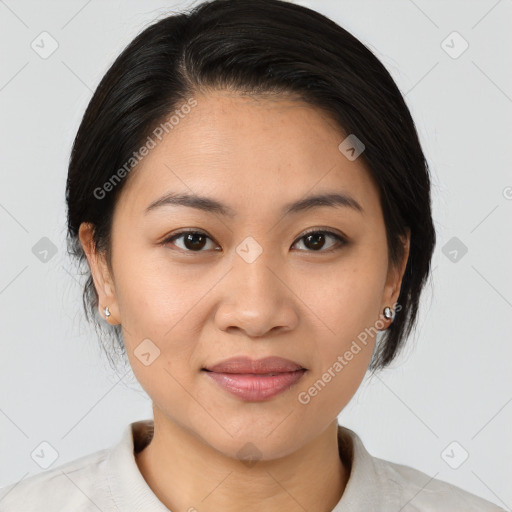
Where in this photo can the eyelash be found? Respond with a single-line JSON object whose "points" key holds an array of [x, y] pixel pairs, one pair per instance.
{"points": [[341, 241]]}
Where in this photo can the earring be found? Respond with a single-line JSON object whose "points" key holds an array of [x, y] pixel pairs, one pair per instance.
{"points": [[107, 312], [388, 313]]}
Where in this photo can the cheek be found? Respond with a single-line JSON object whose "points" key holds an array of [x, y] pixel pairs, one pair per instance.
{"points": [[154, 295], [345, 305], [345, 301], [158, 307]]}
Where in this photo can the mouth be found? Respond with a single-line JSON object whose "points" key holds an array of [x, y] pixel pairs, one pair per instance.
{"points": [[255, 380]]}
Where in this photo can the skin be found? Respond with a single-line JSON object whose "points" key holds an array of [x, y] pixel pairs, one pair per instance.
{"points": [[293, 301]]}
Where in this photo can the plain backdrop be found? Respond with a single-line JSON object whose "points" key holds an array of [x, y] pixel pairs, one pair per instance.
{"points": [[448, 397]]}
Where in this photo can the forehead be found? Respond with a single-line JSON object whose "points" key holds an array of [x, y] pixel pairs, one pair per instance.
{"points": [[247, 151]]}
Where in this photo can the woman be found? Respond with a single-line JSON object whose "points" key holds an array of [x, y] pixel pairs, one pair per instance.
{"points": [[249, 193]]}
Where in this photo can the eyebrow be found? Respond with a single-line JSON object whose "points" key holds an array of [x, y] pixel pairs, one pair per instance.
{"points": [[210, 205]]}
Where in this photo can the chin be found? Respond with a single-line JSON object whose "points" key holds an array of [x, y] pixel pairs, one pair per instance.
{"points": [[250, 445]]}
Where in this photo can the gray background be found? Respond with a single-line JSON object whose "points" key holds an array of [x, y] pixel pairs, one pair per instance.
{"points": [[453, 382]]}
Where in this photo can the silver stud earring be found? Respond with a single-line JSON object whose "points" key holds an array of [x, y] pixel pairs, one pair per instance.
{"points": [[388, 313], [107, 312]]}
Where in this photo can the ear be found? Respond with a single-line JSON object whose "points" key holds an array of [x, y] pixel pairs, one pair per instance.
{"points": [[394, 279], [103, 281]]}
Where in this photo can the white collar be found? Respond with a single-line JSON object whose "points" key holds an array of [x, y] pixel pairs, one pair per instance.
{"points": [[131, 492]]}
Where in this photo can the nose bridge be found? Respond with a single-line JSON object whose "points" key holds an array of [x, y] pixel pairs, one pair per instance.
{"points": [[257, 300], [252, 270]]}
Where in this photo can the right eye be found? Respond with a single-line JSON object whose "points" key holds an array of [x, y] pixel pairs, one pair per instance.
{"points": [[192, 241]]}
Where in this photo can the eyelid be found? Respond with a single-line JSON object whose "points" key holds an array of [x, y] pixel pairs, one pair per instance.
{"points": [[326, 230]]}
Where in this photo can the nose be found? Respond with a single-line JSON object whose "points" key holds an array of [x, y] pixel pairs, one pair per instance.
{"points": [[257, 299]]}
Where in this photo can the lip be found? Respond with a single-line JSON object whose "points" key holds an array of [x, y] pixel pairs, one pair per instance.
{"points": [[255, 379], [247, 365]]}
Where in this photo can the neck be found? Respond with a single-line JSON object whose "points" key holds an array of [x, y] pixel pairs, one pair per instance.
{"points": [[187, 474]]}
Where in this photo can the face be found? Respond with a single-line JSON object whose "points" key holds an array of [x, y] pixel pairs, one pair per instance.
{"points": [[255, 278]]}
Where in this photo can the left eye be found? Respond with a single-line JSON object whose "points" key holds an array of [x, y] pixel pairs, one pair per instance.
{"points": [[195, 241], [314, 239]]}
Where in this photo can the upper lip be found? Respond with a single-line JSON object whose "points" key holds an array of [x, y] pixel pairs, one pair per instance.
{"points": [[243, 364]]}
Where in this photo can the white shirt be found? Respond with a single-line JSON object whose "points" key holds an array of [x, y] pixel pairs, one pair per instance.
{"points": [[110, 480]]}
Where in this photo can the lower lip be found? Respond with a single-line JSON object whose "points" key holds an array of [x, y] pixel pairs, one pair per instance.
{"points": [[252, 387]]}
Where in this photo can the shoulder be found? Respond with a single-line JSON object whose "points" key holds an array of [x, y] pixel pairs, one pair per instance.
{"points": [[79, 483], [418, 491], [375, 483]]}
